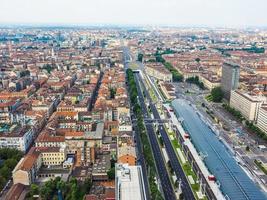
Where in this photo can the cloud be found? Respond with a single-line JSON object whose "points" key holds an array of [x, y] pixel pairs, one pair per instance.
{"points": [[176, 12]]}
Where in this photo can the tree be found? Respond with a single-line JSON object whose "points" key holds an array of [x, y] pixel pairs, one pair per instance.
{"points": [[195, 80], [61, 185], [177, 77], [10, 158], [34, 190], [2, 181], [5, 172], [85, 188], [197, 60], [6, 153], [201, 85], [71, 190], [112, 162], [74, 192], [25, 73], [161, 141], [112, 93], [111, 173], [11, 163], [234, 112], [46, 192], [217, 94], [140, 57], [247, 148]]}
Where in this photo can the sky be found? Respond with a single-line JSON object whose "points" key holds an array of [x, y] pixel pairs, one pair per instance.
{"points": [[226, 13]]}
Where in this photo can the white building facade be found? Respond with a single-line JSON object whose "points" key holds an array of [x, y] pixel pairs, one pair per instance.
{"points": [[20, 142], [262, 118], [247, 104]]}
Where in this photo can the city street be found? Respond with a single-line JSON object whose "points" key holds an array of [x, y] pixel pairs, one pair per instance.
{"points": [[161, 168], [140, 156], [186, 189]]}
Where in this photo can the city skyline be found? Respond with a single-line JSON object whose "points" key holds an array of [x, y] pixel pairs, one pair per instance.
{"points": [[133, 99], [132, 112], [175, 13]]}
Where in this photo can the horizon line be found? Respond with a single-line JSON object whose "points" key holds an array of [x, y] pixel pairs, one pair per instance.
{"points": [[84, 25]]}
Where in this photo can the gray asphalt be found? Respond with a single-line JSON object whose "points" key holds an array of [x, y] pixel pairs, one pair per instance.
{"points": [[187, 192], [159, 161]]}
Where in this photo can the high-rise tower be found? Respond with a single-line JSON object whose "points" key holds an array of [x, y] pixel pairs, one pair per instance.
{"points": [[230, 78]]}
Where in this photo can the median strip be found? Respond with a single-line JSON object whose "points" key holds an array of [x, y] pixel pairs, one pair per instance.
{"points": [[154, 192]]}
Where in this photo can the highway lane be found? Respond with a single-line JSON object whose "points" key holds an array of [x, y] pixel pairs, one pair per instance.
{"points": [[165, 182], [140, 156], [187, 192], [141, 159], [159, 161], [127, 54]]}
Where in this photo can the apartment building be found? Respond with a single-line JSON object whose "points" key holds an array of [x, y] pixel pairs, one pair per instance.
{"points": [[17, 137], [26, 171], [129, 182], [127, 154], [210, 82], [159, 72], [43, 105], [49, 139], [247, 103], [168, 90], [52, 155], [6, 108], [262, 118], [124, 119]]}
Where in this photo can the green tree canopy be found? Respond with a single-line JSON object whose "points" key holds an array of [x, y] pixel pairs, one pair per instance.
{"points": [[111, 173], [140, 57], [197, 60], [217, 94]]}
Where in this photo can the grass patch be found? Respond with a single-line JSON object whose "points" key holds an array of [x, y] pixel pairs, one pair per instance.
{"points": [[209, 98], [187, 169], [133, 66], [152, 95], [176, 144], [189, 172]]}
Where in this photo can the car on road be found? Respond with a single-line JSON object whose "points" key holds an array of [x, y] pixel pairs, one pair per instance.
{"points": [[186, 136], [212, 178]]}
